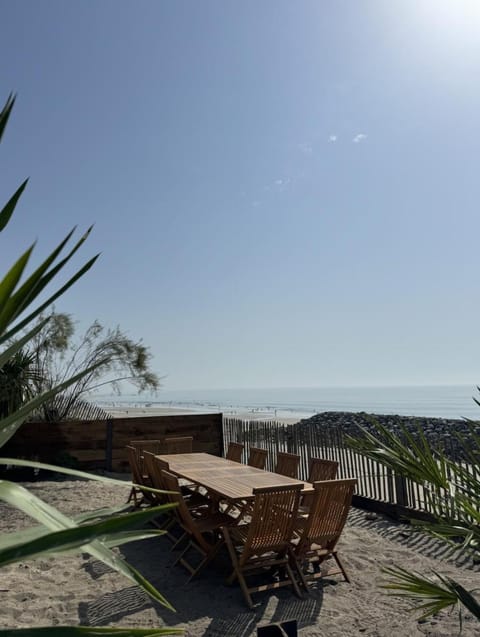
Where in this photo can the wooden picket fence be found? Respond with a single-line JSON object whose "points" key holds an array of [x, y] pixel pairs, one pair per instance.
{"points": [[378, 489]]}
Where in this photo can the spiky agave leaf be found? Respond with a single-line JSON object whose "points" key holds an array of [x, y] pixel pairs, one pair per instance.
{"points": [[16, 299], [429, 595]]}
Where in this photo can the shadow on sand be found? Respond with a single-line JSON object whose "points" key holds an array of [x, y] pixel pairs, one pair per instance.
{"points": [[206, 606]]}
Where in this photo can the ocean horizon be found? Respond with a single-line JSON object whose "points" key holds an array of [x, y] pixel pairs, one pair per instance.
{"points": [[439, 401]]}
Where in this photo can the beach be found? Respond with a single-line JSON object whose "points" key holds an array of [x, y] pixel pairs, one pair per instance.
{"points": [[77, 589], [123, 411]]}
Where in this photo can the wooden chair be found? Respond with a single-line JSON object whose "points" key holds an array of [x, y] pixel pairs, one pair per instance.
{"points": [[134, 460], [287, 464], [321, 469], [153, 446], [153, 469], [234, 452], [318, 534], [257, 457], [182, 444], [203, 533], [265, 541], [195, 502]]}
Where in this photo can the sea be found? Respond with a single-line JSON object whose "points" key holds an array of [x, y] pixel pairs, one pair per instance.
{"points": [[443, 401]]}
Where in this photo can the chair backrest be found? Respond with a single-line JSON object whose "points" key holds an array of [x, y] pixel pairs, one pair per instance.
{"points": [[153, 446], [257, 457], [183, 514], [287, 464], [234, 451], [181, 444], [274, 514], [321, 469], [153, 471], [328, 514], [135, 464]]}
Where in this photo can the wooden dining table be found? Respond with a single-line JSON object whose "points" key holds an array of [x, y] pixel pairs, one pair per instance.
{"points": [[226, 479]]}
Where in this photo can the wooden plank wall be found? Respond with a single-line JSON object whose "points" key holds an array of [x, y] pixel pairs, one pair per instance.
{"points": [[206, 430], [100, 444], [48, 442]]}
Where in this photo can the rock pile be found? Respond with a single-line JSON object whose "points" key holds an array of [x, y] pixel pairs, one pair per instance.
{"points": [[440, 432]]}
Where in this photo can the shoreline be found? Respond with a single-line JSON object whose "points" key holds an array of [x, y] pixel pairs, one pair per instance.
{"points": [[240, 413]]}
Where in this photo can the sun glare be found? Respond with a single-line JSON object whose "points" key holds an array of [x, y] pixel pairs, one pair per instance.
{"points": [[460, 17]]}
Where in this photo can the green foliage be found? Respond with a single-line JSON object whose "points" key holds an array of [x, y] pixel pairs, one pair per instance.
{"points": [[96, 532], [453, 495], [16, 382], [110, 356]]}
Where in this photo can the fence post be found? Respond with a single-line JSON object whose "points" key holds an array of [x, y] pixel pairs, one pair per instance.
{"points": [[401, 490], [109, 445]]}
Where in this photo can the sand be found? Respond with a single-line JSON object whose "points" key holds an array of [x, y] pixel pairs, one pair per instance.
{"points": [[77, 589], [118, 411]]}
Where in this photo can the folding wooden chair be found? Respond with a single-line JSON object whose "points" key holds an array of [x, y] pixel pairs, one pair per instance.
{"points": [[287, 464], [320, 469], [265, 541], [234, 452], [257, 457], [135, 462], [182, 444], [153, 446], [203, 533], [318, 534], [154, 471], [155, 466]]}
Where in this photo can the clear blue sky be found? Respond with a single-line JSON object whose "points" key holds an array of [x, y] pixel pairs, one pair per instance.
{"points": [[284, 193]]}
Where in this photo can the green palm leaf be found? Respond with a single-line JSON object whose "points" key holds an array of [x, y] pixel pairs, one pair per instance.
{"points": [[10, 424], [95, 532], [17, 345], [5, 113], [17, 462], [9, 207], [47, 515], [36, 282], [426, 594]]}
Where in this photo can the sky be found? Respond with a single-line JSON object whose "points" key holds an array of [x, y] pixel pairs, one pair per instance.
{"points": [[284, 194]]}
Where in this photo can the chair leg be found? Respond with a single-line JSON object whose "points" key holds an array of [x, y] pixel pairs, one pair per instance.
{"points": [[245, 589], [207, 558], [236, 573], [298, 568], [134, 496], [296, 589], [176, 540], [340, 566], [233, 555]]}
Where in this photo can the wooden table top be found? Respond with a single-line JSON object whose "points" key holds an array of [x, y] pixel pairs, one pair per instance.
{"points": [[229, 480]]}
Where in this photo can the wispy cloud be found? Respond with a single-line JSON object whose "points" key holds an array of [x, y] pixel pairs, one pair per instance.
{"points": [[360, 137], [306, 148], [332, 138], [281, 184]]}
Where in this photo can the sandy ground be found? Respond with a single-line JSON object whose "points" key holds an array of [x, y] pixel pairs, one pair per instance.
{"points": [[77, 589], [135, 412]]}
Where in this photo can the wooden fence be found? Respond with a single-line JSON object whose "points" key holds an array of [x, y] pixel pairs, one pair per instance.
{"points": [[378, 488], [100, 444]]}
